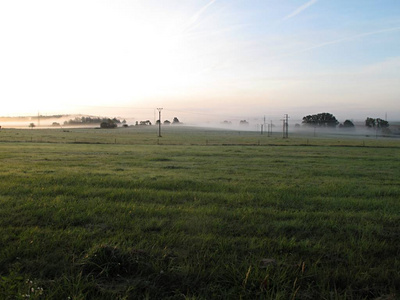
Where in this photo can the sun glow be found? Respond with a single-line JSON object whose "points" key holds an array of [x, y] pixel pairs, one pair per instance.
{"points": [[118, 54], [254, 56]]}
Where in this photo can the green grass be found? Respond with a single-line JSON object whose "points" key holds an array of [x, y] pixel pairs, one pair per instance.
{"points": [[181, 221], [186, 135]]}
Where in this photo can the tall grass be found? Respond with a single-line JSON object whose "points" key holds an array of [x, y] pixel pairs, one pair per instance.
{"points": [[111, 221]]}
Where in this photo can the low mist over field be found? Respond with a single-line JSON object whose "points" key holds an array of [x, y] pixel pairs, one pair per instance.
{"points": [[262, 125]]}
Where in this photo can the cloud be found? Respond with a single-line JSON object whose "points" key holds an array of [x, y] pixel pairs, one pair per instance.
{"points": [[337, 41], [353, 37], [197, 15], [300, 9]]}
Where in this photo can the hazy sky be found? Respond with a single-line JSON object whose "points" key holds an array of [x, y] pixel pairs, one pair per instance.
{"points": [[215, 59]]}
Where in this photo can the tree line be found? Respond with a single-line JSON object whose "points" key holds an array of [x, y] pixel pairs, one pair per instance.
{"points": [[328, 120], [92, 120]]}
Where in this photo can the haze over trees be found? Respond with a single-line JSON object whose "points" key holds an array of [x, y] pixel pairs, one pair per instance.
{"points": [[347, 125], [320, 120], [378, 123], [90, 120], [176, 121], [144, 123], [108, 124]]}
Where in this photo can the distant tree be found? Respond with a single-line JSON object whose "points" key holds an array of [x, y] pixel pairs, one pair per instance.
{"points": [[175, 121], [116, 121], [157, 122], [125, 125], [108, 124], [226, 122], [297, 125], [243, 122], [31, 125], [378, 123], [55, 124], [348, 124], [370, 122], [166, 122], [147, 123], [382, 123], [320, 120]]}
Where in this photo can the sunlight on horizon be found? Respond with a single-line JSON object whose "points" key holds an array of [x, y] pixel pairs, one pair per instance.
{"points": [[282, 56]]}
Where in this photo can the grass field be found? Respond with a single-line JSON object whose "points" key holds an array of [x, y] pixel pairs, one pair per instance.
{"points": [[103, 214], [186, 135]]}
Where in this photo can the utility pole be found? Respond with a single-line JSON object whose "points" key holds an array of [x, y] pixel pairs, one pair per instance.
{"points": [[264, 123], [285, 126], [271, 128], [269, 132], [159, 121]]}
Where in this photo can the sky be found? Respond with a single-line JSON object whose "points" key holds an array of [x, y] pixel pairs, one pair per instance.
{"points": [[201, 60]]}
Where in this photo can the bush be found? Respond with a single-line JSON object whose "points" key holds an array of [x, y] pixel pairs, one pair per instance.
{"points": [[108, 124]]}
